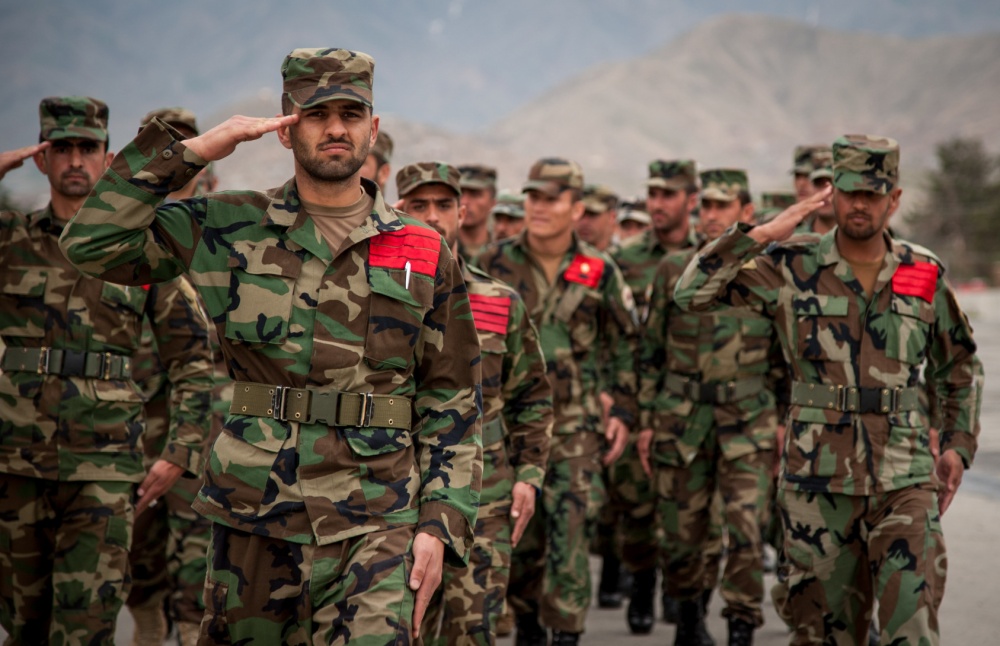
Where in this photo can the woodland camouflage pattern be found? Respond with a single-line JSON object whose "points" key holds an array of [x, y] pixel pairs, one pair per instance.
{"points": [[676, 174], [865, 163], [314, 76], [68, 117], [723, 184], [412, 176], [289, 313], [831, 335], [517, 425], [808, 158], [383, 147], [478, 176]]}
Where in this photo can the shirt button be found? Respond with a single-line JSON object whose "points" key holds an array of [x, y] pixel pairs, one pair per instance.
{"points": [[167, 154]]}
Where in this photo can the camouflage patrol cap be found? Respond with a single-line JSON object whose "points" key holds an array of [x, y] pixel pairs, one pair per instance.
{"points": [[383, 147], [824, 172], [478, 176], [509, 204], [314, 76], [173, 116], [675, 175], [809, 158], [598, 198], [552, 176], [865, 163], [776, 199], [723, 184], [635, 215], [413, 176], [72, 117]]}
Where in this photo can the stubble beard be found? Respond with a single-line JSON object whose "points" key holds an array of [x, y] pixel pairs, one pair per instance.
{"points": [[74, 184], [332, 171]]}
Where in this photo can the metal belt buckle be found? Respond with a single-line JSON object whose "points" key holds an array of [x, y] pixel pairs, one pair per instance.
{"points": [[43, 361], [106, 365], [895, 397], [367, 408], [278, 401], [842, 398], [74, 363], [726, 392], [870, 400]]}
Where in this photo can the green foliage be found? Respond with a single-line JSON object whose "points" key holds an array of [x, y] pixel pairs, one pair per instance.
{"points": [[960, 217]]}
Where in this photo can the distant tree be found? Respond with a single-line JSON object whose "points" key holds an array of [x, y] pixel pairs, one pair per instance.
{"points": [[959, 218]]}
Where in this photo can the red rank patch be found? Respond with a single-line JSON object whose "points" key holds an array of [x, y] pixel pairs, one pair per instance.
{"points": [[416, 245], [918, 279], [490, 313], [585, 271]]}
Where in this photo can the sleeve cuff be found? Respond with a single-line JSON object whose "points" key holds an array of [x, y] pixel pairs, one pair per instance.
{"points": [[962, 443], [449, 526]]}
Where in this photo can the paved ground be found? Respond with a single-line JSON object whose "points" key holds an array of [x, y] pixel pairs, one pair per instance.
{"points": [[972, 532]]}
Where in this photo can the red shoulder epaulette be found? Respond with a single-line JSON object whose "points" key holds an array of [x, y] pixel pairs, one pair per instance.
{"points": [[416, 245], [918, 279], [490, 313], [585, 270]]}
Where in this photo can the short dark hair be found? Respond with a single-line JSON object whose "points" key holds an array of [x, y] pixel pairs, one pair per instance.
{"points": [[744, 197]]}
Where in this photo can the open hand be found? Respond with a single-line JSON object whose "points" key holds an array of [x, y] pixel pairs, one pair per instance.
{"points": [[783, 225], [11, 159], [428, 565], [522, 509], [161, 477], [222, 140]]}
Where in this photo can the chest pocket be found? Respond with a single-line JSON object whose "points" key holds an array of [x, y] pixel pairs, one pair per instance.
{"points": [[909, 329], [756, 341], [262, 288], [22, 313], [577, 309], [822, 330], [395, 317], [119, 321]]}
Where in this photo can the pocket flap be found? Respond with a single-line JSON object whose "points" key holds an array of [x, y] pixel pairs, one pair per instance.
{"points": [[392, 284], [373, 440], [264, 259], [820, 305], [24, 281]]}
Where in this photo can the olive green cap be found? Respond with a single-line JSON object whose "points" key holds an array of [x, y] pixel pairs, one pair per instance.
{"points": [[478, 176], [73, 117], [675, 174], [383, 147], [776, 200], [173, 116], [808, 158], [598, 198], [552, 176], [509, 204], [413, 176], [865, 163], [723, 184]]}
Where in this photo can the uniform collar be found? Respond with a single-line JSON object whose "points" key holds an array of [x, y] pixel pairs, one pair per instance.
{"points": [[45, 220], [829, 254]]}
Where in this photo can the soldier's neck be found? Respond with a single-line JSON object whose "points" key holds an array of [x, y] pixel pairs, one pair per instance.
{"points": [[823, 225], [871, 250], [550, 247], [65, 207], [475, 236], [673, 238], [327, 193]]}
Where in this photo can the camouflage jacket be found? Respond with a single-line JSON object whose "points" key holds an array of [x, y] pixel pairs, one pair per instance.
{"points": [[832, 334], [588, 308], [517, 398], [708, 348], [289, 312], [78, 428], [160, 374], [638, 257]]}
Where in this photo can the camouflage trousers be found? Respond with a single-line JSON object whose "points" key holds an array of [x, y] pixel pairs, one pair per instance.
{"points": [[263, 590], [467, 606], [684, 519], [628, 518], [169, 555], [843, 552], [63, 559], [550, 569]]}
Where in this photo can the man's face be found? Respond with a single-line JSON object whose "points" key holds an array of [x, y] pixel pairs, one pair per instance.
{"points": [[630, 228], [331, 140], [375, 170], [478, 203], [597, 228], [717, 216], [73, 165], [550, 217], [505, 226], [669, 209], [437, 206], [803, 187], [819, 185], [862, 215]]}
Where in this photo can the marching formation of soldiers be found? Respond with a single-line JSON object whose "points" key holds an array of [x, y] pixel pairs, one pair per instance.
{"points": [[304, 415]]}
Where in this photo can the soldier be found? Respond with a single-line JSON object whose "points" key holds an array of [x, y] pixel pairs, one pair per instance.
{"points": [[823, 218], [772, 203], [631, 222], [508, 215], [582, 307], [600, 212], [376, 166], [351, 459], [71, 423], [672, 192], [479, 193], [861, 316], [168, 557], [804, 162], [708, 420], [517, 423]]}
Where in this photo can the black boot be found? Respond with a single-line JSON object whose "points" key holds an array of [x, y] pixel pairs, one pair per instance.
{"points": [[609, 590], [669, 608], [559, 638], [740, 632], [529, 631], [640, 605], [703, 635], [691, 630]]}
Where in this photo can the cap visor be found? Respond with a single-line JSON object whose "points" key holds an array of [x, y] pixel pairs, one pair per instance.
{"points": [[673, 184], [94, 134], [849, 182], [311, 96], [717, 195], [548, 187]]}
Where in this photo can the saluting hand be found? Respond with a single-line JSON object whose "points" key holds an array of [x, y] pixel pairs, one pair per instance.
{"points": [[11, 159], [222, 140], [783, 225]]}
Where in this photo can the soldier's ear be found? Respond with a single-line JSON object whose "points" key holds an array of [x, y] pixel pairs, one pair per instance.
{"points": [[284, 137], [42, 162], [374, 135], [746, 213], [108, 156], [894, 196]]}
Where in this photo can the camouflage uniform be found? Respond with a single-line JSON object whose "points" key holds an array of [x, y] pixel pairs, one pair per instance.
{"points": [[517, 426], [632, 499], [857, 474], [71, 422], [586, 309], [480, 177], [354, 419], [706, 391], [807, 161]]}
